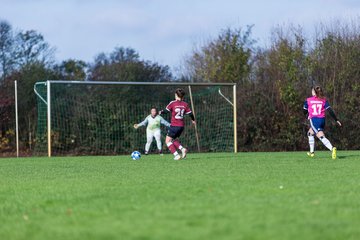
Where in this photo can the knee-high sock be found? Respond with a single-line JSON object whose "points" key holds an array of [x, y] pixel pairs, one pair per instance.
{"points": [[172, 148], [177, 144], [326, 142], [312, 143]]}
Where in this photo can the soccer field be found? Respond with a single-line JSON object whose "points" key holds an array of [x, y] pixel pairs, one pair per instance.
{"points": [[207, 196]]}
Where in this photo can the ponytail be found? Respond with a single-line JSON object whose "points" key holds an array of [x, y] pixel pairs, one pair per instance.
{"points": [[319, 92]]}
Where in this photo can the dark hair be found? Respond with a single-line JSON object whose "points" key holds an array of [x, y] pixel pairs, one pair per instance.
{"points": [[180, 93], [319, 92]]}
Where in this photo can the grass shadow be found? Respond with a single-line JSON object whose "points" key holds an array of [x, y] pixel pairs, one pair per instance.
{"points": [[347, 156]]}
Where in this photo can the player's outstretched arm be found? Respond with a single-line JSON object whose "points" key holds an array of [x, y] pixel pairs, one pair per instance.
{"points": [[143, 123], [164, 122]]}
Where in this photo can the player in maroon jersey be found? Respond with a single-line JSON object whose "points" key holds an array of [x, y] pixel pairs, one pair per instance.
{"points": [[178, 109]]}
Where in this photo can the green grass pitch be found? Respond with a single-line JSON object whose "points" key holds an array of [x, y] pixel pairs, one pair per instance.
{"points": [[207, 196]]}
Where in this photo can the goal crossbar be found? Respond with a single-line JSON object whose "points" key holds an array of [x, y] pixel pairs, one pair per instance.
{"points": [[141, 83]]}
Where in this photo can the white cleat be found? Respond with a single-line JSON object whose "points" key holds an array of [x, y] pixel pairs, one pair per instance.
{"points": [[177, 157], [184, 152]]}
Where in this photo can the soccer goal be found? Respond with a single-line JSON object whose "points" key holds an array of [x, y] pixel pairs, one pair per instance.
{"points": [[97, 118]]}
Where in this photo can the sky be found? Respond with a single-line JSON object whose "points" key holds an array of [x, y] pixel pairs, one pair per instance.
{"points": [[163, 31]]}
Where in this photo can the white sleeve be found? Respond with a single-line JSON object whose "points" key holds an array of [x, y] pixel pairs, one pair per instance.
{"points": [[144, 123], [164, 122]]}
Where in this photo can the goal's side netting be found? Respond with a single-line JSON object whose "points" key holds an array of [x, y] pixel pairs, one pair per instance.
{"points": [[92, 118]]}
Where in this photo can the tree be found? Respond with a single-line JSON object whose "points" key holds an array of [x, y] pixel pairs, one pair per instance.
{"points": [[124, 64], [27, 76], [226, 58], [31, 47], [21, 49], [71, 70], [281, 77], [26, 57], [6, 50]]}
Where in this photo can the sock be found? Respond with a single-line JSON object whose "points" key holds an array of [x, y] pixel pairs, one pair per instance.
{"points": [[172, 148], [326, 142], [177, 144], [311, 143]]}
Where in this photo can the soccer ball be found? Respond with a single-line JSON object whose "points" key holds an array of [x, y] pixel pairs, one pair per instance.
{"points": [[136, 155]]}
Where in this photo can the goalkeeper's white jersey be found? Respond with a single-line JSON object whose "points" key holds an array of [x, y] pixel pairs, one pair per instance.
{"points": [[153, 123]]}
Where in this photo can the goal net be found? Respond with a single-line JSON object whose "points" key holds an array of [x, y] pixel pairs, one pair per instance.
{"points": [[97, 118]]}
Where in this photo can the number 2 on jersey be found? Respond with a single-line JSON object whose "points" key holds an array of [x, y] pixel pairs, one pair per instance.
{"points": [[179, 113], [316, 109]]}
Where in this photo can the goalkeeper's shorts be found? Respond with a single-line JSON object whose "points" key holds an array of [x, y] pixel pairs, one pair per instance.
{"points": [[175, 132]]}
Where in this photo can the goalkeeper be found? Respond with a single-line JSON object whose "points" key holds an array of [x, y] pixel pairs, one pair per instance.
{"points": [[153, 122]]}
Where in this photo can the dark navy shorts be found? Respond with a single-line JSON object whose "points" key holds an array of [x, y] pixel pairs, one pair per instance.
{"points": [[317, 124], [175, 132]]}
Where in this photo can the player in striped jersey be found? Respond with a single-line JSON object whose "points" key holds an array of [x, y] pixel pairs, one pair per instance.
{"points": [[153, 122]]}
